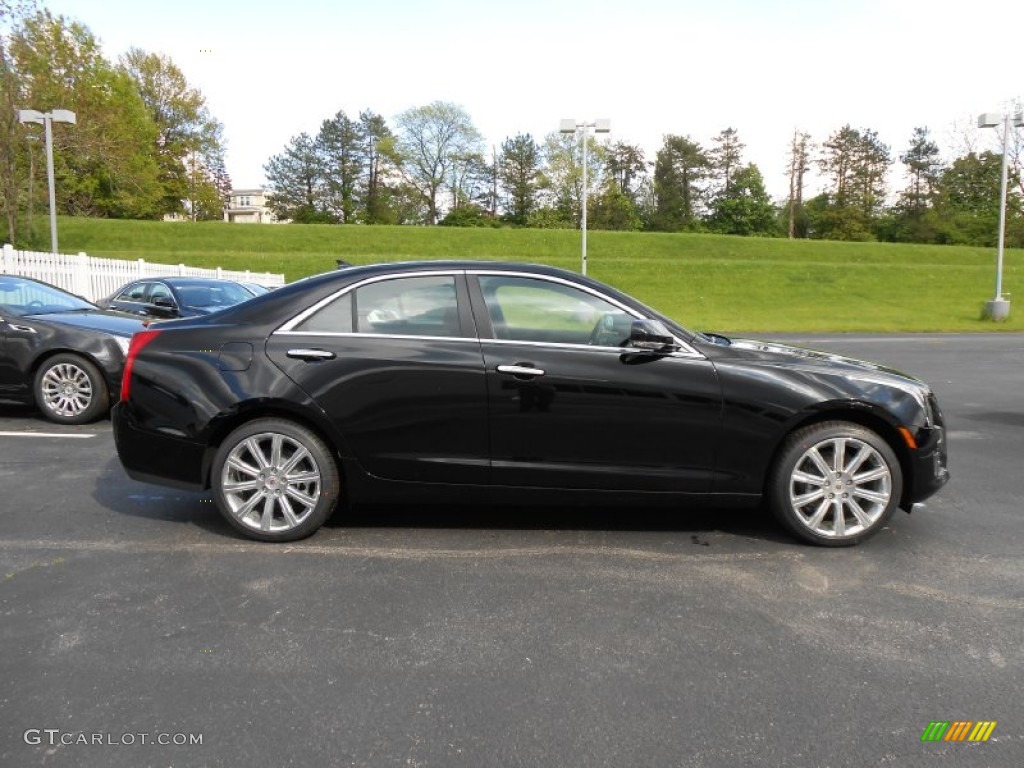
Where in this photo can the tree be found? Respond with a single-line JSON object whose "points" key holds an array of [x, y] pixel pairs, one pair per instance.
{"points": [[382, 161], [430, 138], [967, 202], [105, 163], [679, 172], [189, 143], [518, 174], [625, 165], [745, 208], [799, 165], [343, 147], [297, 182], [12, 134], [613, 209], [854, 163], [725, 158], [561, 180], [911, 218]]}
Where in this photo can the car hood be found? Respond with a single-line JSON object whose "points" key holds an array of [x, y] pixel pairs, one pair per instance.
{"points": [[822, 362], [96, 320]]}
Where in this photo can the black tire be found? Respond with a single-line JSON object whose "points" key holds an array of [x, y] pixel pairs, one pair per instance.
{"points": [[831, 508], [287, 499], [69, 389]]}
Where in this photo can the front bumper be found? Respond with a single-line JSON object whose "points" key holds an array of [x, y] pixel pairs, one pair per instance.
{"points": [[929, 470]]}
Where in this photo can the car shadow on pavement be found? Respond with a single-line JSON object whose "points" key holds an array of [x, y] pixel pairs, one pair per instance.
{"points": [[697, 522], [115, 491], [28, 413]]}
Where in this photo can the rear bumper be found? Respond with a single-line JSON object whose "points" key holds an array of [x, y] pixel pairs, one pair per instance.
{"points": [[153, 457]]}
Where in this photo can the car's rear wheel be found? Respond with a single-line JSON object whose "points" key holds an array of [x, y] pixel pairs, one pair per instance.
{"points": [[835, 483], [70, 390], [275, 480]]}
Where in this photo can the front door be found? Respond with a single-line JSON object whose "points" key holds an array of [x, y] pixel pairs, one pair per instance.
{"points": [[572, 407]]}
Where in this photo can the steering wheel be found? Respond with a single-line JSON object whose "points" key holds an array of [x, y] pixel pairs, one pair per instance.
{"points": [[605, 333], [35, 304]]}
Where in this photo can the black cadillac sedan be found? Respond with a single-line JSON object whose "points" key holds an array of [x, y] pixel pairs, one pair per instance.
{"points": [[59, 351], [491, 381]]}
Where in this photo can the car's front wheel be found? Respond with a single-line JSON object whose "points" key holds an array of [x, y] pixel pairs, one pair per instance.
{"points": [[275, 480], [835, 483], [70, 390]]}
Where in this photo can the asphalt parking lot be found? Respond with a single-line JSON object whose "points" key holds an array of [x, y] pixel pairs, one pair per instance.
{"points": [[131, 615]]}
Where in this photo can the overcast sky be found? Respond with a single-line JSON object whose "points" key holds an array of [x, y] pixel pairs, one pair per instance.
{"points": [[270, 70]]}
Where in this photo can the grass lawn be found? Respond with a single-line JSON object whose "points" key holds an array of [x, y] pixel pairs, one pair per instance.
{"points": [[708, 282]]}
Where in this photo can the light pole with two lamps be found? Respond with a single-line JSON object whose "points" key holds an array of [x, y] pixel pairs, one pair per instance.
{"points": [[47, 119], [999, 308], [571, 126]]}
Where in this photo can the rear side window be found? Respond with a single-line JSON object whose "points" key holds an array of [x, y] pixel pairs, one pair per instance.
{"points": [[409, 306], [336, 317], [403, 306]]}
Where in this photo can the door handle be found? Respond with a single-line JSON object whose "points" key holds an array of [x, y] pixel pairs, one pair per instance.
{"points": [[310, 354], [521, 371]]}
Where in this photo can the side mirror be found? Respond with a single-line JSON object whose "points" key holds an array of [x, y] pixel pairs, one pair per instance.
{"points": [[164, 302], [651, 336]]}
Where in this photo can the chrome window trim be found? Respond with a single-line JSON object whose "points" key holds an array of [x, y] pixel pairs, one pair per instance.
{"points": [[684, 351], [342, 335], [288, 327]]}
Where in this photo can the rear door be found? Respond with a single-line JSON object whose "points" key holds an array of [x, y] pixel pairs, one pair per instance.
{"points": [[395, 362]]}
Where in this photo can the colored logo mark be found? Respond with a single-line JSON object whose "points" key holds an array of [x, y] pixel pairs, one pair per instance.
{"points": [[958, 730]]}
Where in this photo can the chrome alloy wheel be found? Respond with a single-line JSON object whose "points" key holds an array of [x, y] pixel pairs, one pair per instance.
{"points": [[66, 390], [840, 487], [270, 482]]}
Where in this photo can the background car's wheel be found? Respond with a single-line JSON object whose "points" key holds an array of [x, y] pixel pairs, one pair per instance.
{"points": [[275, 480], [835, 483], [70, 390]]}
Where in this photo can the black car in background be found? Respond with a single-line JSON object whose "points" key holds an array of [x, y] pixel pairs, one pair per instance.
{"points": [[171, 297], [508, 382], [59, 351]]}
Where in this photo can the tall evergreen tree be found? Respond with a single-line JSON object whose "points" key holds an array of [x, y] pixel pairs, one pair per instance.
{"points": [[726, 157], [518, 175], [297, 180], [680, 170], [854, 163], [343, 146]]}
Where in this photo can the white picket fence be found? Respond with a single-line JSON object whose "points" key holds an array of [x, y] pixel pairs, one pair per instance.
{"points": [[93, 278]]}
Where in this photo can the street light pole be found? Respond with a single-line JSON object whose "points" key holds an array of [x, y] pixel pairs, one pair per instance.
{"points": [[999, 308], [570, 126], [47, 119]]}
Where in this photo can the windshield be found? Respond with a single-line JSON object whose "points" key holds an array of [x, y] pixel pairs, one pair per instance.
{"points": [[211, 296], [22, 297]]}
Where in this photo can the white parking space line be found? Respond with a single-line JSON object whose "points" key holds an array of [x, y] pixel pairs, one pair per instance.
{"points": [[46, 434]]}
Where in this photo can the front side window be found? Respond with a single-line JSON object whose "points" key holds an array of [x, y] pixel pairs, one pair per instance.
{"points": [[160, 291], [530, 309]]}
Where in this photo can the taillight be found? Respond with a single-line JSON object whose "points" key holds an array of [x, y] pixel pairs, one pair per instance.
{"points": [[139, 340]]}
